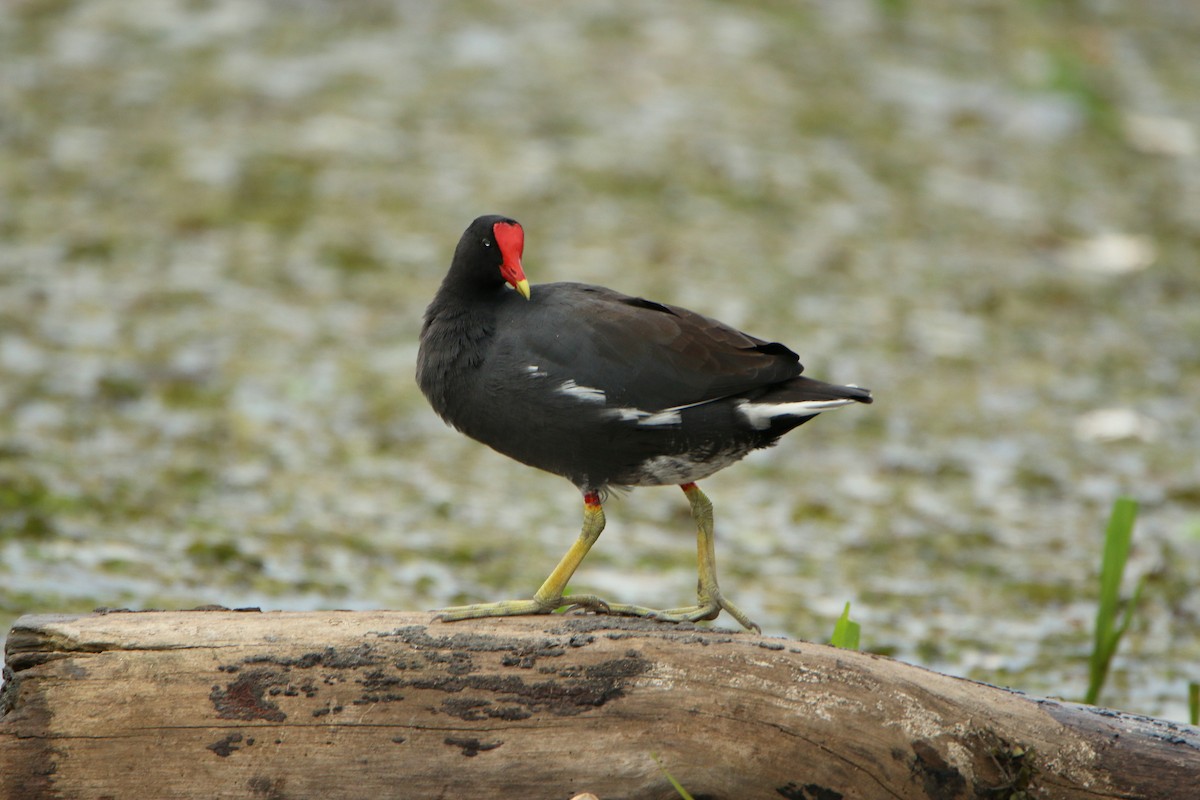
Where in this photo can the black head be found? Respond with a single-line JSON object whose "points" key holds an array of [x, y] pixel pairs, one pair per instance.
{"points": [[489, 255]]}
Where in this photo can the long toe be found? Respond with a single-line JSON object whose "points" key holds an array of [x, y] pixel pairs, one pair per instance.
{"points": [[698, 613], [718, 599], [710, 608], [504, 608]]}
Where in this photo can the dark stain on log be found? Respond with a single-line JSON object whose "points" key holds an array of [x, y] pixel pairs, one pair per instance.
{"points": [[245, 698], [448, 664], [527, 657], [378, 687], [417, 637], [445, 664], [1010, 771], [474, 709], [362, 655], [471, 747], [458, 662], [227, 746], [456, 649], [809, 791], [325, 711], [267, 788], [939, 779], [575, 691]]}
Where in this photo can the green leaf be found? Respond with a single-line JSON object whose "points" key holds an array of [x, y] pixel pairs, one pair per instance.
{"points": [[1118, 539], [845, 631], [1194, 702]]}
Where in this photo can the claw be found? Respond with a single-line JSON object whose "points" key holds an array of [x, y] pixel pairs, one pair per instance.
{"points": [[588, 602]]}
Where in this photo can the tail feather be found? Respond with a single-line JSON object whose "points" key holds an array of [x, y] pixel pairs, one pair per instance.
{"points": [[800, 398], [801, 388]]}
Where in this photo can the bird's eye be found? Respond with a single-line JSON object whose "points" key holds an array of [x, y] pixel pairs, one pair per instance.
{"points": [[487, 242]]}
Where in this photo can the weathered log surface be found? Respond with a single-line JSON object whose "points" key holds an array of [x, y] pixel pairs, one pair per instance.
{"points": [[223, 704]]}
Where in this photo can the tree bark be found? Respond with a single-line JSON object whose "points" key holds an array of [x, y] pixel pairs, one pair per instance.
{"points": [[224, 704]]}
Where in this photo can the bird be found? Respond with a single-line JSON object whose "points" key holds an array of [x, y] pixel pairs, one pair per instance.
{"points": [[608, 390]]}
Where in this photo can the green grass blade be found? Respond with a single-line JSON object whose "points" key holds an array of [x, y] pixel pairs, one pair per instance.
{"points": [[1127, 617], [846, 631], [1118, 539], [678, 786], [1194, 702]]}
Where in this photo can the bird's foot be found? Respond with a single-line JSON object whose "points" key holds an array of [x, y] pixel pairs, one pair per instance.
{"points": [[707, 608], [518, 608]]}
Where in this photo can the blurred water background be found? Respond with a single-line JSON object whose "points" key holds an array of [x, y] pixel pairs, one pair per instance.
{"points": [[220, 222]]}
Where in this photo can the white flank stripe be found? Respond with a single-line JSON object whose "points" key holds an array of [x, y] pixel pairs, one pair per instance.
{"points": [[759, 415], [668, 417], [585, 393]]}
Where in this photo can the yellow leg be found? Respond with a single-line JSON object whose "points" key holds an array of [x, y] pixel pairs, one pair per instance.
{"points": [[709, 600], [550, 595], [708, 593]]}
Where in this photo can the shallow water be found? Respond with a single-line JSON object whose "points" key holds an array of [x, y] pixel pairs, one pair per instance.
{"points": [[220, 223]]}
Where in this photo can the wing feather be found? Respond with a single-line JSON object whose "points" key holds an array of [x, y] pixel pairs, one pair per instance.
{"points": [[644, 354]]}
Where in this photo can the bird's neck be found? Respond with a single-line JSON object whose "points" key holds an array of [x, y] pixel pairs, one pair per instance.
{"points": [[461, 323], [454, 343], [466, 286]]}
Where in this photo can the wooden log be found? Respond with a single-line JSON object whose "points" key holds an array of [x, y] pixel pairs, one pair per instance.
{"points": [[224, 704]]}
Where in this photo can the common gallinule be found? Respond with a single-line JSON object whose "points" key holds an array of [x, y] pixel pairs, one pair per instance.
{"points": [[607, 390]]}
